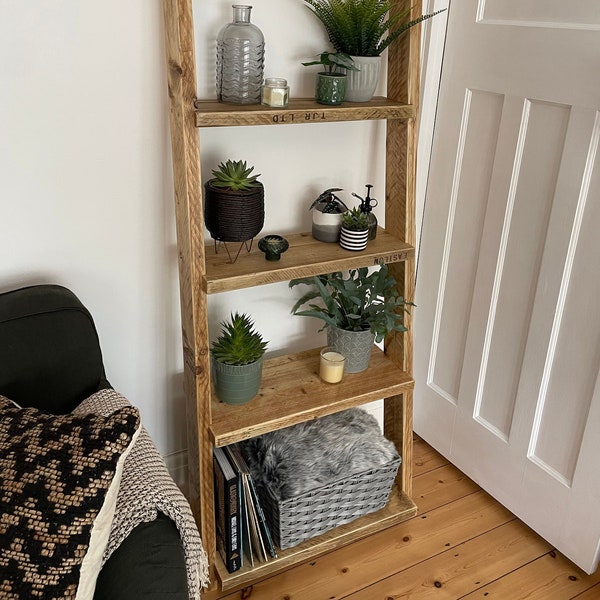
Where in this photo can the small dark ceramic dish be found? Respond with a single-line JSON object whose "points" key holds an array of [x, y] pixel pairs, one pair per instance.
{"points": [[273, 246]]}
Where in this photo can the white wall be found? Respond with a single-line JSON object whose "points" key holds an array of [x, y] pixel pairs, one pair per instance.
{"points": [[85, 182], [85, 175]]}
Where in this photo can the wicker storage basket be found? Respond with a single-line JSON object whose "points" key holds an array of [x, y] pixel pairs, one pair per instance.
{"points": [[297, 519]]}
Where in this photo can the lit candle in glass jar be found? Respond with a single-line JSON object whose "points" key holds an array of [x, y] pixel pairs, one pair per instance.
{"points": [[332, 365], [275, 92]]}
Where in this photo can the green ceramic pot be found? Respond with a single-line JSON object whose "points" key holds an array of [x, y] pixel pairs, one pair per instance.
{"points": [[330, 88]]}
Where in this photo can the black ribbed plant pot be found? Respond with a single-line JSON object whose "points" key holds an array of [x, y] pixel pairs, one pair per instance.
{"points": [[233, 216]]}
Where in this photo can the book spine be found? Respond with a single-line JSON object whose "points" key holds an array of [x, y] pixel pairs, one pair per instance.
{"points": [[227, 519], [262, 521], [233, 557]]}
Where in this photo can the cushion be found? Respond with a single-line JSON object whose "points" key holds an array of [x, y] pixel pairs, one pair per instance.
{"points": [[59, 478], [50, 356]]}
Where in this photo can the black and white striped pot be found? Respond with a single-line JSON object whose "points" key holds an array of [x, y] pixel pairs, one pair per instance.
{"points": [[353, 240]]}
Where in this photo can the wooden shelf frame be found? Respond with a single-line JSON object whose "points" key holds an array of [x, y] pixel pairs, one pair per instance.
{"points": [[305, 257], [399, 508], [300, 111], [198, 275], [295, 377]]}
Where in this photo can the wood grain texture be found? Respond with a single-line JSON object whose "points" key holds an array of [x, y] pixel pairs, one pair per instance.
{"points": [[380, 556], [441, 486], [201, 270], [454, 515], [472, 564], [292, 392], [403, 69], [399, 508], [181, 69], [425, 458], [300, 111], [304, 258], [550, 577]]}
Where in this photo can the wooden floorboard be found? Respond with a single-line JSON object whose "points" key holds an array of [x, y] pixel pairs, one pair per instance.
{"points": [[462, 545]]}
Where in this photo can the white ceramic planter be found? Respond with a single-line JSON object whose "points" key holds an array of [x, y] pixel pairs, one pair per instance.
{"points": [[353, 240], [360, 85], [326, 226]]}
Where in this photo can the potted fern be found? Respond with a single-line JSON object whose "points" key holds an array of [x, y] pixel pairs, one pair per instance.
{"points": [[358, 308], [237, 360], [327, 209], [234, 203], [330, 87], [354, 234], [362, 29]]}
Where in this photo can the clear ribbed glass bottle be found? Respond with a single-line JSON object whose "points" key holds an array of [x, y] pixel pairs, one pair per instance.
{"points": [[240, 59]]}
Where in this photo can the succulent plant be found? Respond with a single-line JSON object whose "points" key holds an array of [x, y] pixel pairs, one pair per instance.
{"points": [[355, 220], [239, 343], [235, 175]]}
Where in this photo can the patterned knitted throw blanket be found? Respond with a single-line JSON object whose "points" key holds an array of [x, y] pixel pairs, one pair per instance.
{"points": [[146, 489]]}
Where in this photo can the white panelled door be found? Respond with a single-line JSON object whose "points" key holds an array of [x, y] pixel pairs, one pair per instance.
{"points": [[507, 329]]}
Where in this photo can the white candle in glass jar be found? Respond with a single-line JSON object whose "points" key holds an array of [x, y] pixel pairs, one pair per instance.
{"points": [[332, 365], [275, 92]]}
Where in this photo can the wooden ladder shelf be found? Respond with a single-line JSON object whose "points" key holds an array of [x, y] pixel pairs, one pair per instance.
{"points": [[201, 272]]}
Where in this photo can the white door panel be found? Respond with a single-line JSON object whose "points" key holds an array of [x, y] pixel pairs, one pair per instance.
{"points": [[507, 330]]}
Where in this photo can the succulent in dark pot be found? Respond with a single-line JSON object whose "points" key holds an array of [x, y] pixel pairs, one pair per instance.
{"points": [[234, 208]]}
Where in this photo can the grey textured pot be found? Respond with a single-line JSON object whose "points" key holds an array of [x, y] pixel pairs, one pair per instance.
{"points": [[356, 346], [236, 384]]}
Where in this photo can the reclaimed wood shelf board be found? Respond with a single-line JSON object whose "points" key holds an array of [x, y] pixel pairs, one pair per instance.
{"points": [[210, 113], [398, 509], [305, 257], [292, 392]]}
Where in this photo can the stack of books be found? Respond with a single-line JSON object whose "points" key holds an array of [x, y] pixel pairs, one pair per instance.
{"points": [[242, 532]]}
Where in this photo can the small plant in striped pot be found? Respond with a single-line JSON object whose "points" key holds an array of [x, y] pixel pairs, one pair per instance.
{"points": [[355, 230]]}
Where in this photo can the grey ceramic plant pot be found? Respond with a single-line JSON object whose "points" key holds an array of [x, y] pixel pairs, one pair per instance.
{"points": [[356, 346], [236, 384]]}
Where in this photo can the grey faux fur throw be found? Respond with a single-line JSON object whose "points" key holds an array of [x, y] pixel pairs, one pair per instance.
{"points": [[303, 457]]}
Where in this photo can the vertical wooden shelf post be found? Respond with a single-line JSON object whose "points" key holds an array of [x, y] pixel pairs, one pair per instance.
{"points": [[181, 73], [401, 142]]}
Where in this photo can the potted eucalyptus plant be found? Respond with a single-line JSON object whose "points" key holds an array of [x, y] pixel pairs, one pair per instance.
{"points": [[328, 209], [354, 233], [363, 29], [237, 360], [358, 309], [330, 87], [234, 202]]}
